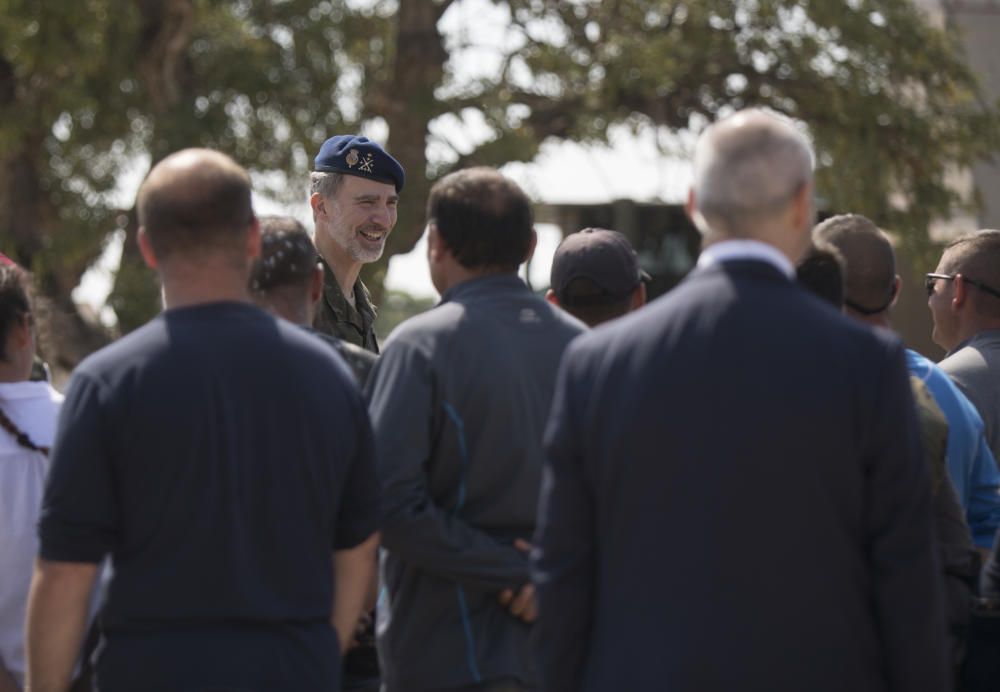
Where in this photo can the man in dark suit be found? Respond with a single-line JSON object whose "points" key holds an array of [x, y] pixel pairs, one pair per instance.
{"points": [[735, 497]]}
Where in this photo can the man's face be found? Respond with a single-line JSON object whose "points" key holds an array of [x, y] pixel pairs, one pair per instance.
{"points": [[945, 333], [360, 217]]}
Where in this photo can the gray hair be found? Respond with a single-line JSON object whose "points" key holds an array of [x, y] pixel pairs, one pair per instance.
{"points": [[747, 168], [326, 184]]}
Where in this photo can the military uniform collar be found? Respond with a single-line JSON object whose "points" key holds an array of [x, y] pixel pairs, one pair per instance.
{"points": [[337, 301]]}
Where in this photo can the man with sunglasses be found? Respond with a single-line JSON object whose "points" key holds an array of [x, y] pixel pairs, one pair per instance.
{"points": [[963, 295], [871, 287]]}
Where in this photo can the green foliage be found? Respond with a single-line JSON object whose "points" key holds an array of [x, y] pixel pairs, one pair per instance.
{"points": [[395, 308], [89, 87]]}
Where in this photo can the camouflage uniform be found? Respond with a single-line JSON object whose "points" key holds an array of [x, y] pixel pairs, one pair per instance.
{"points": [[339, 318]]}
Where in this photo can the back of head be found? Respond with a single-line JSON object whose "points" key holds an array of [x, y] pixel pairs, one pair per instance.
{"points": [[195, 201], [976, 256], [821, 271], [594, 273], [287, 256], [15, 302], [484, 218], [870, 263], [283, 272], [747, 168]]}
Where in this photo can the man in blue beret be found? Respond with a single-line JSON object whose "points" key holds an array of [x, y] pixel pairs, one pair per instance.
{"points": [[354, 190]]}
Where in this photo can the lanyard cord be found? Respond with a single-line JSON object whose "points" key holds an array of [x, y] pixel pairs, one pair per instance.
{"points": [[22, 437]]}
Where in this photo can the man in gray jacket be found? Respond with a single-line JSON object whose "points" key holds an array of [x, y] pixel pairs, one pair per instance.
{"points": [[964, 298], [459, 400]]}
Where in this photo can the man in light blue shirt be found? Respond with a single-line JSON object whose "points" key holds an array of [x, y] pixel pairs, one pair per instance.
{"points": [[871, 287], [971, 465]]}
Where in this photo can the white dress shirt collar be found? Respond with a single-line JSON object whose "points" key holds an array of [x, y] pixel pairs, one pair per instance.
{"points": [[743, 249]]}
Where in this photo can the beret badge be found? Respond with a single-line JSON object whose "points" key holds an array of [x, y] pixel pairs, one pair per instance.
{"points": [[352, 158]]}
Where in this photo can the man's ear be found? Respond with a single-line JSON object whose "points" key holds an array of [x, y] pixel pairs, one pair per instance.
{"points": [[531, 246], [803, 208], [689, 205], [316, 285], [436, 247], [253, 240], [959, 293], [146, 249], [318, 204], [550, 296], [897, 285], [639, 296]]}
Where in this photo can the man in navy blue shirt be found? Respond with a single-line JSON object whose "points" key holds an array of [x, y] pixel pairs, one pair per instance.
{"points": [[223, 459], [735, 497]]}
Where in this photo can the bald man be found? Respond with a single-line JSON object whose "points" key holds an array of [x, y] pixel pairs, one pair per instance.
{"points": [[197, 453], [752, 510]]}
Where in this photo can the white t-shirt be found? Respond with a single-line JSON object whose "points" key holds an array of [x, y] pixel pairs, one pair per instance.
{"points": [[34, 408]]}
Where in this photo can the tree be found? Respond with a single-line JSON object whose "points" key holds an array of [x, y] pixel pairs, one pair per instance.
{"points": [[98, 85]]}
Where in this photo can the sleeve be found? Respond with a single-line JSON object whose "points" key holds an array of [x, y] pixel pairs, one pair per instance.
{"points": [[414, 528], [564, 562], [984, 496], [907, 587], [79, 517], [358, 515]]}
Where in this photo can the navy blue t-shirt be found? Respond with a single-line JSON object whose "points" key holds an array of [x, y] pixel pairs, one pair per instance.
{"points": [[219, 456]]}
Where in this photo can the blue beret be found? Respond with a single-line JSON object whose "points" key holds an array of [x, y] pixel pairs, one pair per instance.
{"points": [[359, 156]]}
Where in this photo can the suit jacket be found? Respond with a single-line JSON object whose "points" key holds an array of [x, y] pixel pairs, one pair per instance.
{"points": [[735, 499]]}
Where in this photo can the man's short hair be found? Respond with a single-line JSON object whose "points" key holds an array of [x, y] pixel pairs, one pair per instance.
{"points": [[15, 301], [195, 200], [747, 167], [870, 262], [326, 184], [484, 218], [287, 256], [821, 271], [976, 256]]}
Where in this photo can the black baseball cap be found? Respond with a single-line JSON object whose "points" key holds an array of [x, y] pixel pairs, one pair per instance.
{"points": [[604, 257]]}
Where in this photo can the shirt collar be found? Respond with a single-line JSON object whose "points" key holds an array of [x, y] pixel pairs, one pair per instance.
{"points": [[743, 249], [489, 282]]}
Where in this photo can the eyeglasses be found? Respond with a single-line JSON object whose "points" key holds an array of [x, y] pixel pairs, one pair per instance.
{"points": [[931, 278]]}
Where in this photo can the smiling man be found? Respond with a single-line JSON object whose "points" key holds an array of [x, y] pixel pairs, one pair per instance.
{"points": [[354, 188]]}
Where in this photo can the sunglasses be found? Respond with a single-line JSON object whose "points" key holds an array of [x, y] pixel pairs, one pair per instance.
{"points": [[931, 279]]}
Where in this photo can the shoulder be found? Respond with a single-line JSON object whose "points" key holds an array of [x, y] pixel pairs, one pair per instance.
{"points": [[122, 353], [423, 330], [967, 360]]}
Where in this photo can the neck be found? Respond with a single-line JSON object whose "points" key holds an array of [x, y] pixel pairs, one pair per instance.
{"points": [[879, 320], [209, 282], [460, 274], [296, 312], [777, 233], [12, 371], [345, 268], [968, 330]]}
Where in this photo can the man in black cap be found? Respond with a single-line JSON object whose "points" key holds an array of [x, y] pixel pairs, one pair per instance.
{"points": [[355, 187], [596, 276]]}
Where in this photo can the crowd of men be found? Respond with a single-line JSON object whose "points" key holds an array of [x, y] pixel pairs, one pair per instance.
{"points": [[738, 486]]}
